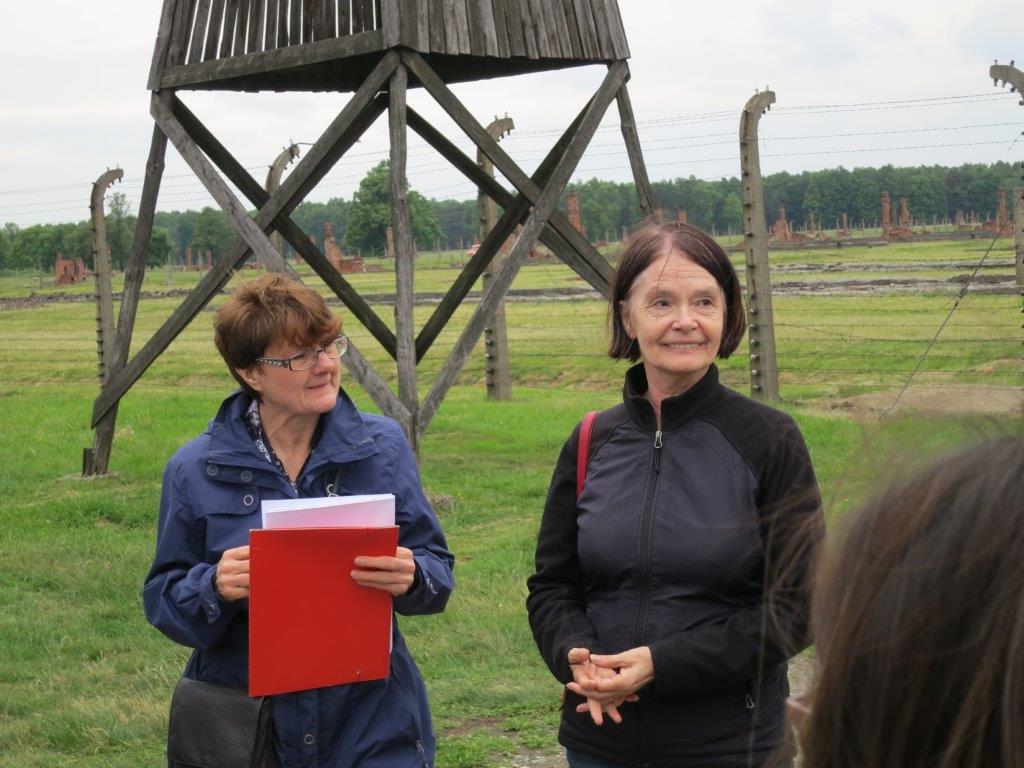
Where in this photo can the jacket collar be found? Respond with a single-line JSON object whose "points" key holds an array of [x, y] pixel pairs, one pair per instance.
{"points": [[345, 436], [675, 411]]}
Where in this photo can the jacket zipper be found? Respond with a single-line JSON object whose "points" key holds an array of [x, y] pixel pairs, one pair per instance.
{"points": [[640, 618]]}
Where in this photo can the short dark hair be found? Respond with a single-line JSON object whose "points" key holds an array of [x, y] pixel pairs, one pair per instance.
{"points": [[260, 312], [649, 242]]}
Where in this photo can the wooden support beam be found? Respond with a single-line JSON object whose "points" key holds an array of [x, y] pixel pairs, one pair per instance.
{"points": [[375, 386], [318, 161], [515, 209], [236, 213], [576, 251], [405, 254], [478, 134], [464, 282], [135, 270], [324, 155], [524, 243], [258, 196], [636, 157]]}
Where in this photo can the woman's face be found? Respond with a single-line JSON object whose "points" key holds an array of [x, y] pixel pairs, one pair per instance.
{"points": [[675, 311], [309, 392]]}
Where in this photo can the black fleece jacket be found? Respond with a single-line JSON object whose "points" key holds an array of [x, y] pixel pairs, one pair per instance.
{"points": [[696, 541]]}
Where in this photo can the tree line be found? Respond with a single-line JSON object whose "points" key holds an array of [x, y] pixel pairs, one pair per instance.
{"points": [[607, 207]]}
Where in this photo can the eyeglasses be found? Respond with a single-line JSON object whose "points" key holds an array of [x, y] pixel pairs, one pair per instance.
{"points": [[306, 359]]}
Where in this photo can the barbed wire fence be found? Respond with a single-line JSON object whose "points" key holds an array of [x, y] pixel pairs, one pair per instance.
{"points": [[834, 341]]}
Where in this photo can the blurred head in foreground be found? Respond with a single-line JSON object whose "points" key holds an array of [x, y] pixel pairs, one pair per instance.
{"points": [[919, 618]]}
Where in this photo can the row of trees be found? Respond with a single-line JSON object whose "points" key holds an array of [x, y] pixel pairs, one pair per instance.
{"points": [[606, 207]]}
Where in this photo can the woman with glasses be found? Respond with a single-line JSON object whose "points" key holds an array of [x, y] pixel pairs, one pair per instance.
{"points": [[291, 432], [657, 598]]}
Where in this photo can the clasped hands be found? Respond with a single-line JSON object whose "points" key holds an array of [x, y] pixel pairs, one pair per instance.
{"points": [[609, 681], [394, 575]]}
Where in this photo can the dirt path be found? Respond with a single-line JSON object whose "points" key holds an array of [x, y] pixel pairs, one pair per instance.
{"points": [[965, 399]]}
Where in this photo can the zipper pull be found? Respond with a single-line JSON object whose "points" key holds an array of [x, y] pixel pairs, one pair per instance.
{"points": [[657, 439], [749, 701]]}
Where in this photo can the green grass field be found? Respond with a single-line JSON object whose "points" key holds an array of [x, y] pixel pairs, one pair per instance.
{"points": [[435, 272], [84, 681]]}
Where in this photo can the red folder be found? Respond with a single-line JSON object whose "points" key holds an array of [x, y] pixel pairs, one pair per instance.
{"points": [[310, 624]]}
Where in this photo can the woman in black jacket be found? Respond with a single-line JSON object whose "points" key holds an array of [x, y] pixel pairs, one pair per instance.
{"points": [[669, 592]]}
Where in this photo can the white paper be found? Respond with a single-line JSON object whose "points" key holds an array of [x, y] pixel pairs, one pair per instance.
{"points": [[367, 511]]}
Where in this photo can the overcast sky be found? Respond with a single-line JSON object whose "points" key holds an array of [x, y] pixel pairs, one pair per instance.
{"points": [[73, 98]]}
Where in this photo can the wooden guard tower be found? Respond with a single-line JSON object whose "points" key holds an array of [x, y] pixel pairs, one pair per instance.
{"points": [[375, 49]]}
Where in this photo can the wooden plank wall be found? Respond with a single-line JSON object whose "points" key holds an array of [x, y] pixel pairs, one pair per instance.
{"points": [[208, 30], [582, 30]]}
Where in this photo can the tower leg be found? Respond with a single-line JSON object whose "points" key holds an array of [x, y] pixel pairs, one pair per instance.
{"points": [[636, 158], [405, 254]]}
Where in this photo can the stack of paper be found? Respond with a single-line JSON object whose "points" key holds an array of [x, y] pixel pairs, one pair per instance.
{"points": [[367, 511], [310, 624]]}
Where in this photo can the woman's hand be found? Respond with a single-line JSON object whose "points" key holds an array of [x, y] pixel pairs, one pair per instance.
{"points": [[607, 681], [585, 675], [388, 574], [231, 578]]}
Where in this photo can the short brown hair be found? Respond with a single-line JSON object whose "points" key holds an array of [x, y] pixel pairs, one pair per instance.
{"points": [[260, 312], [649, 242]]}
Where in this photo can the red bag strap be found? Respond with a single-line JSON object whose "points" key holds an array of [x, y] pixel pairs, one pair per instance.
{"points": [[583, 452]]}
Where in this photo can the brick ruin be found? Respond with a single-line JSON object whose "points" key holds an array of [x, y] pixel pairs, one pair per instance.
{"points": [[197, 262], [843, 230], [900, 231], [782, 234], [905, 221], [572, 205], [1002, 224], [68, 271], [337, 259], [886, 215]]}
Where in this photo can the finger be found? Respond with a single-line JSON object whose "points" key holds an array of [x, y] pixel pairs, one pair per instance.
{"points": [[610, 662], [595, 711], [632, 697], [385, 563], [237, 553], [578, 655], [613, 713], [382, 577], [590, 693], [612, 686], [395, 588], [582, 675], [403, 554], [236, 566]]}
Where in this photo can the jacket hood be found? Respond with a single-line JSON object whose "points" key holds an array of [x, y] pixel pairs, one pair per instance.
{"points": [[345, 436], [675, 411]]}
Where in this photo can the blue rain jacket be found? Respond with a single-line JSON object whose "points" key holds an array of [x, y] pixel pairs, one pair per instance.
{"points": [[211, 496]]}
